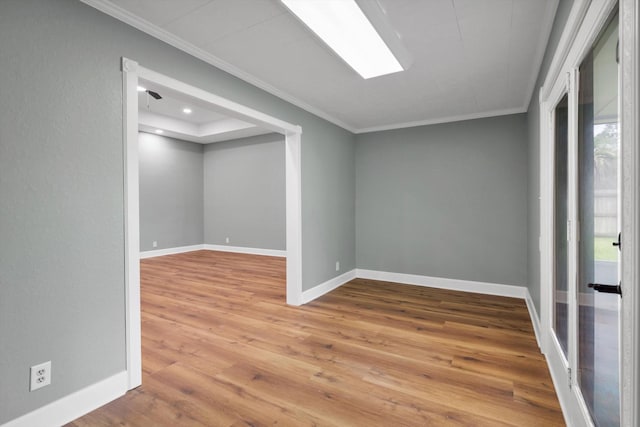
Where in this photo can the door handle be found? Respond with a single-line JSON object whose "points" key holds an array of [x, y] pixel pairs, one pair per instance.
{"points": [[618, 242], [606, 289]]}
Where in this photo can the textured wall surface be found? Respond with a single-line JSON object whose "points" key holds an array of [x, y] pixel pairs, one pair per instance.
{"points": [[330, 212], [445, 200], [61, 204], [245, 192], [171, 192], [61, 190]]}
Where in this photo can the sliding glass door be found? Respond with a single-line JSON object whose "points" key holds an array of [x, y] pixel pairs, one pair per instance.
{"points": [[580, 242], [598, 202]]}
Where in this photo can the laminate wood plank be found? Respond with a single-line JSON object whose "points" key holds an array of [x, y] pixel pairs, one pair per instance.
{"points": [[221, 348], [435, 314]]}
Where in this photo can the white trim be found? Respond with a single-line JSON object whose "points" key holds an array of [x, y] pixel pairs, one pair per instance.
{"points": [[159, 33], [224, 106], [557, 369], [245, 250], [170, 251], [293, 177], [75, 405], [535, 319], [630, 124], [546, 206], [572, 237], [326, 287], [578, 10], [586, 20], [208, 247], [133, 329], [545, 33], [511, 291], [132, 71], [450, 119], [486, 288], [153, 30]]}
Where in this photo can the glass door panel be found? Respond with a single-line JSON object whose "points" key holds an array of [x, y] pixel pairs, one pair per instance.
{"points": [[598, 201], [560, 294]]}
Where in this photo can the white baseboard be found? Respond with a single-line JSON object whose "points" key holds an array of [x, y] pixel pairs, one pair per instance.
{"points": [[222, 248], [75, 405], [442, 283], [560, 387], [326, 287], [170, 251], [243, 250], [535, 319]]}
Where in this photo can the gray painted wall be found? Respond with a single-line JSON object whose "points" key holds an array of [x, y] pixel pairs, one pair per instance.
{"points": [[171, 192], [533, 126], [445, 200], [245, 192], [330, 211], [61, 187]]}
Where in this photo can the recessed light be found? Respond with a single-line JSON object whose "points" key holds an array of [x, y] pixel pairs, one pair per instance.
{"points": [[344, 27], [186, 110], [159, 131], [141, 88]]}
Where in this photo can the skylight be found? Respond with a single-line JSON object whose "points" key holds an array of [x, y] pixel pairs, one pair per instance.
{"points": [[343, 26]]}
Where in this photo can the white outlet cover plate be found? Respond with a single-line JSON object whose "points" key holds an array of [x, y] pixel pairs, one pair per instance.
{"points": [[40, 376]]}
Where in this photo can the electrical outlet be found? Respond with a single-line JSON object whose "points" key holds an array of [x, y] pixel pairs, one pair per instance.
{"points": [[155, 243], [40, 376], [337, 265], [226, 240]]}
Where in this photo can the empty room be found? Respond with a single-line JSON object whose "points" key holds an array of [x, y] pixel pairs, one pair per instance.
{"points": [[328, 213]]}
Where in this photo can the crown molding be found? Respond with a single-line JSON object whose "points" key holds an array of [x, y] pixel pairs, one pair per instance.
{"points": [[450, 119], [157, 32], [153, 30]]}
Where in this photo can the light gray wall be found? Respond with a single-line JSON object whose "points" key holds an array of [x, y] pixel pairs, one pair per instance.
{"points": [[61, 190], [245, 192], [533, 127], [329, 212], [445, 200], [171, 192]]}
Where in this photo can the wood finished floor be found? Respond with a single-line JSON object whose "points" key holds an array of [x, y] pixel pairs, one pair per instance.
{"points": [[221, 348]]}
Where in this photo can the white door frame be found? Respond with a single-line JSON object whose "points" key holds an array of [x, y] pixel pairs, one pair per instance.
{"points": [[630, 126], [131, 71], [589, 17]]}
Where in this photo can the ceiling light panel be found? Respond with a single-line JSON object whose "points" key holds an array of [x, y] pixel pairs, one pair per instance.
{"points": [[343, 26]]}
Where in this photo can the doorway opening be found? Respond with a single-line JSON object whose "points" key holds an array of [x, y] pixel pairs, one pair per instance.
{"points": [[132, 74]]}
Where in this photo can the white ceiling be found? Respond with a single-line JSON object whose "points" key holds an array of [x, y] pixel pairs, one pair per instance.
{"points": [[471, 58], [172, 107], [204, 125]]}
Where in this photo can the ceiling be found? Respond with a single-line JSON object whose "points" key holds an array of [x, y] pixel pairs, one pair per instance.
{"points": [[470, 58], [203, 125]]}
